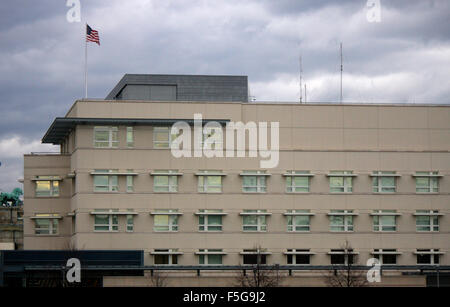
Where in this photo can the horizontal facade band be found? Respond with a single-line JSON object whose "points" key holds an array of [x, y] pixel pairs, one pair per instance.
{"points": [[385, 253], [298, 213], [166, 253], [46, 216], [429, 253], [299, 253], [47, 178], [113, 173], [255, 253], [297, 175], [165, 213], [113, 213], [342, 213], [210, 213], [165, 174], [255, 213], [254, 174], [210, 174], [343, 253], [428, 214], [341, 175], [62, 126], [385, 175], [428, 175], [385, 213], [210, 253]]}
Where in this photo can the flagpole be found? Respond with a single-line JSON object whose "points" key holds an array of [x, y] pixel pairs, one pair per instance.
{"points": [[85, 64]]}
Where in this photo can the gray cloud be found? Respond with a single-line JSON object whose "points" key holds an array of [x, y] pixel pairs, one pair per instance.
{"points": [[404, 58]]}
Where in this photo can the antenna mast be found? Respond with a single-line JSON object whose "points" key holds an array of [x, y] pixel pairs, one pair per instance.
{"points": [[342, 68], [301, 71], [305, 92]]}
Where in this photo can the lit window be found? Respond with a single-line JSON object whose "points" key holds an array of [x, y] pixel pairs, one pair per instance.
{"points": [[341, 220], [165, 182], [209, 183], [254, 182], [427, 220], [385, 220], [104, 182], [384, 182], [105, 137], [254, 220], [165, 222], [429, 183], [210, 256], [46, 226], [298, 256], [297, 183], [47, 188], [107, 222], [162, 138], [130, 137], [208, 221], [341, 181]]}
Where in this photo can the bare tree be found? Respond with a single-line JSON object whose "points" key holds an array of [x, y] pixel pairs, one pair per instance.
{"points": [[260, 275], [345, 275], [157, 279]]}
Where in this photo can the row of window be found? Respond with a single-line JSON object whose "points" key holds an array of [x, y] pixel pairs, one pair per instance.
{"points": [[252, 182], [295, 256], [252, 221]]}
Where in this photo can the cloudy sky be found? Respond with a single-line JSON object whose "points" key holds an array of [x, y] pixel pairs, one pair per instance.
{"points": [[403, 58]]}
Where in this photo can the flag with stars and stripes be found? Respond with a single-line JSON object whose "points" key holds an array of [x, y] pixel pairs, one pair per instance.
{"points": [[92, 35]]}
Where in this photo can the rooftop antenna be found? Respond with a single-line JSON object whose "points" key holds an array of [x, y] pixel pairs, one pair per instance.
{"points": [[301, 71], [342, 68], [305, 92]]}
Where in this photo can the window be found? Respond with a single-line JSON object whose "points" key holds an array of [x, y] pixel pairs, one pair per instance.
{"points": [[209, 221], [297, 183], [104, 182], [106, 222], [44, 226], [163, 182], [166, 256], [427, 220], [130, 137], [384, 182], [254, 182], [166, 222], [210, 256], [386, 256], [428, 183], [130, 182], [427, 256], [342, 256], [341, 220], [254, 220], [105, 137], [384, 220], [298, 220], [162, 138], [298, 256], [47, 188], [130, 223], [214, 136], [341, 181], [251, 256], [209, 183]]}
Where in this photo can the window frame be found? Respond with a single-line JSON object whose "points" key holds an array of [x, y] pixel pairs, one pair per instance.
{"points": [[377, 182], [292, 225], [433, 220], [347, 220], [111, 187], [204, 186], [261, 183], [52, 192], [261, 221], [430, 188], [172, 182], [130, 137], [172, 221], [53, 227], [347, 182], [379, 215], [112, 224], [111, 130], [203, 254], [206, 226], [291, 187], [170, 137]]}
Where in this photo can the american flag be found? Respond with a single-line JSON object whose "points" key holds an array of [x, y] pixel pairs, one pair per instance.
{"points": [[92, 35]]}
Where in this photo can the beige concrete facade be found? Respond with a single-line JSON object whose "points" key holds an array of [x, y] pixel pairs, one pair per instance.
{"points": [[315, 138]]}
